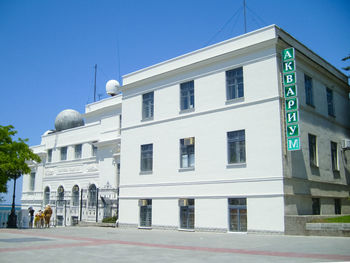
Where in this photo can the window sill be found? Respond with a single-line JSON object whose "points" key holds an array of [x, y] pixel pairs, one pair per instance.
{"points": [[186, 169], [235, 100], [145, 172], [331, 115], [236, 165], [186, 111], [147, 119], [310, 105]]}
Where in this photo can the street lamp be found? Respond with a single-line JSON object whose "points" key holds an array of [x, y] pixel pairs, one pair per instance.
{"points": [[12, 218]]}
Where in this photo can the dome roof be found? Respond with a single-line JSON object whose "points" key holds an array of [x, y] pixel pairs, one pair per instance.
{"points": [[112, 87], [68, 119]]}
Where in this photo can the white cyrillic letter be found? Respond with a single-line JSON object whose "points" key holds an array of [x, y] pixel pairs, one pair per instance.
{"points": [[290, 92], [287, 66]]}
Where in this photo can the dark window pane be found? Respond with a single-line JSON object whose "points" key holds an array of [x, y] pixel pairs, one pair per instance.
{"points": [[234, 84]]}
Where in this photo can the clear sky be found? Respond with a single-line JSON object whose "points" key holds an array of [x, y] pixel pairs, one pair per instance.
{"points": [[48, 48]]}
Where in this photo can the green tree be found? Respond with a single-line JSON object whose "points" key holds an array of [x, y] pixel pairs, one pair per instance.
{"points": [[14, 156]]}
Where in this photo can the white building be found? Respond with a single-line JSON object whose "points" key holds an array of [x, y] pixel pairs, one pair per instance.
{"points": [[204, 140], [204, 144], [80, 163]]}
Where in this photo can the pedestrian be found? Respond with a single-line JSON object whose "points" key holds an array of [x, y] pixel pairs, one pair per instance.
{"points": [[41, 219], [47, 215], [31, 216], [37, 219]]}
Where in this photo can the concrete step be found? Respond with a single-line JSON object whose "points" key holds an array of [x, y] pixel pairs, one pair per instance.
{"points": [[99, 224]]}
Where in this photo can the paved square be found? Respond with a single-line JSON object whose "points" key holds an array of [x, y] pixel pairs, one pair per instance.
{"points": [[93, 244]]}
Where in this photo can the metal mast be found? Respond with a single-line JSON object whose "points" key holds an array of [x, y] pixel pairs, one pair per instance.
{"points": [[245, 18], [95, 83]]}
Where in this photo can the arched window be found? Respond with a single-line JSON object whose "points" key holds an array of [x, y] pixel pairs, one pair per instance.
{"points": [[60, 195], [92, 195], [46, 195], [75, 195]]}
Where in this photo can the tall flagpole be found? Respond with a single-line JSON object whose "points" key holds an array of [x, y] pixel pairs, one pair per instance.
{"points": [[245, 18]]}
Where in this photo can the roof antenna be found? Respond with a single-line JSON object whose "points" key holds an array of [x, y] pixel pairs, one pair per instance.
{"points": [[95, 83], [245, 18]]}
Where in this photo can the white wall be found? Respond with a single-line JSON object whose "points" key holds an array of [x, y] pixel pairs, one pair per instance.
{"points": [[212, 181], [211, 213], [265, 213], [129, 212], [165, 211]]}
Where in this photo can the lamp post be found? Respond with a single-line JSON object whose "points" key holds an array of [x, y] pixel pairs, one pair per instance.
{"points": [[12, 218]]}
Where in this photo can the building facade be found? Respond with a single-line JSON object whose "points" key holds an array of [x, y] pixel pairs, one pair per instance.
{"points": [[204, 141], [80, 164]]}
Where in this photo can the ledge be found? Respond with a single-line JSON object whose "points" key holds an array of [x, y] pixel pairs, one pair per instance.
{"points": [[328, 226], [236, 165], [186, 169]]}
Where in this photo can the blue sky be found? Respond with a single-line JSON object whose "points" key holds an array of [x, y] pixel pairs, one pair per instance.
{"points": [[48, 48]]}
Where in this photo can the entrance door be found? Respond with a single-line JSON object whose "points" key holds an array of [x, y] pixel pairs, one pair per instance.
{"points": [[187, 213], [145, 213], [237, 214]]}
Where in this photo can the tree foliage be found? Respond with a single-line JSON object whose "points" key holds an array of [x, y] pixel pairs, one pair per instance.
{"points": [[14, 156]]}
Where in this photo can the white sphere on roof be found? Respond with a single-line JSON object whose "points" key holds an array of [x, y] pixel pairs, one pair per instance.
{"points": [[112, 87], [68, 119]]}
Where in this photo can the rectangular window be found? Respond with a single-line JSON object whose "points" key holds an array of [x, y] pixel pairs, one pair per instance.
{"points": [[236, 147], [78, 150], [308, 90], [49, 155], [32, 182], [334, 156], [187, 95], [186, 213], [330, 102], [237, 214], [313, 150], [337, 206], [146, 157], [234, 83], [63, 153], [187, 152], [145, 212], [147, 105], [94, 150], [316, 207]]}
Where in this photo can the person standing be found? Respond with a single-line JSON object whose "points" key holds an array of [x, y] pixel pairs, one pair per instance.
{"points": [[42, 216], [37, 219], [31, 216], [47, 215]]}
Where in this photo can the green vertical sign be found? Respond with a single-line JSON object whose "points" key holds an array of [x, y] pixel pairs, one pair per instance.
{"points": [[291, 99]]}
